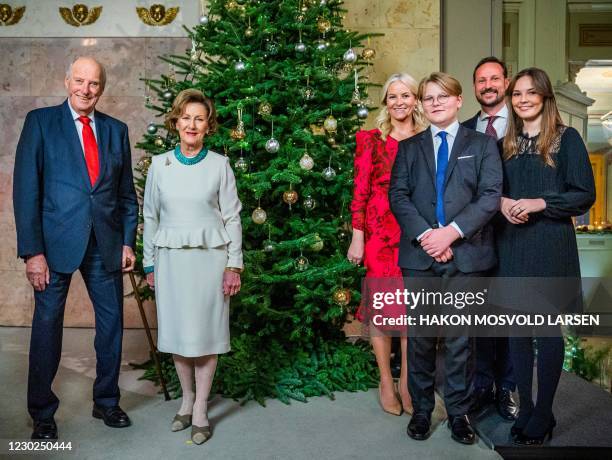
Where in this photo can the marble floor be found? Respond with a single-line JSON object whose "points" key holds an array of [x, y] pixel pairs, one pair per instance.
{"points": [[350, 427]]}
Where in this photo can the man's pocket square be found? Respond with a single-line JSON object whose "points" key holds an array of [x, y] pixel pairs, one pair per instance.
{"points": [[464, 156]]}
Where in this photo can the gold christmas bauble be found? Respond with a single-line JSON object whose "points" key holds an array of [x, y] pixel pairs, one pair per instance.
{"points": [[330, 124], [264, 109], [159, 142], [238, 133], [259, 216], [249, 32], [306, 162], [290, 196], [342, 296], [317, 245], [368, 53], [324, 25]]}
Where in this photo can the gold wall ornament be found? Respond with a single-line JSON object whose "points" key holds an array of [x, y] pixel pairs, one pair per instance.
{"points": [[10, 17], [80, 15], [157, 15]]}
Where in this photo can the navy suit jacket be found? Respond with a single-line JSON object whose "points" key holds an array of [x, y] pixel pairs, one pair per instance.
{"points": [[471, 197], [55, 205], [471, 122]]}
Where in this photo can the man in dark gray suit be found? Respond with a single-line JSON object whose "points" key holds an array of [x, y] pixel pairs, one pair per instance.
{"points": [[494, 380], [445, 187]]}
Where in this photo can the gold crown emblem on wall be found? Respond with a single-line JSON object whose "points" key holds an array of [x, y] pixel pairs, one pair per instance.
{"points": [[80, 15], [8, 16], [157, 15]]}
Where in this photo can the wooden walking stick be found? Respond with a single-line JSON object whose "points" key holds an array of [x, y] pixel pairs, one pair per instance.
{"points": [[152, 346]]}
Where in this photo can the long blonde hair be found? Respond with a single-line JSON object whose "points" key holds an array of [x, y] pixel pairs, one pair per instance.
{"points": [[383, 120]]}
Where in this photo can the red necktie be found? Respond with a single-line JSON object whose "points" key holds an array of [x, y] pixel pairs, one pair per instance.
{"points": [[490, 130], [91, 150]]}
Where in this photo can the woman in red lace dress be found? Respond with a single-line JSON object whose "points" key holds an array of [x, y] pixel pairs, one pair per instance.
{"points": [[376, 233]]}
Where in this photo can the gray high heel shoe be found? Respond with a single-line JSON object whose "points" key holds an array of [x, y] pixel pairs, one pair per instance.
{"points": [[180, 422]]}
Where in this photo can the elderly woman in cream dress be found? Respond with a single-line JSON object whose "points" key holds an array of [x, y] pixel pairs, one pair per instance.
{"points": [[192, 254]]}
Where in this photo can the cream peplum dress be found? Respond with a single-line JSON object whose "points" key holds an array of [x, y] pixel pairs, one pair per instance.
{"points": [[192, 231]]}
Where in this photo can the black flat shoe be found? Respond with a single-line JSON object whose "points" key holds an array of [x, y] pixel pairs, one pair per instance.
{"points": [[113, 416], [506, 407], [461, 430], [419, 426], [524, 440], [45, 429]]}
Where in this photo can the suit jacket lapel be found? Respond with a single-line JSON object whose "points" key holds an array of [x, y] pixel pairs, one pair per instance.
{"points": [[427, 148], [102, 131], [75, 149], [458, 147]]}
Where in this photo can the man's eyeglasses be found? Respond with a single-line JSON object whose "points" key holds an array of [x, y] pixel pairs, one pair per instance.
{"points": [[429, 100]]}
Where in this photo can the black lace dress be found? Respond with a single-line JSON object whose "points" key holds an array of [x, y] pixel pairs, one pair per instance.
{"points": [[545, 246]]}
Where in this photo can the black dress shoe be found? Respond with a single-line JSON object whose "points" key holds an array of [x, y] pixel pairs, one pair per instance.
{"points": [[515, 431], [45, 429], [113, 416], [461, 429], [483, 397], [506, 407], [419, 425]]}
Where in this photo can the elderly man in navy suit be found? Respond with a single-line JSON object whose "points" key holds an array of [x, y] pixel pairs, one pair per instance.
{"points": [[445, 187], [75, 209]]}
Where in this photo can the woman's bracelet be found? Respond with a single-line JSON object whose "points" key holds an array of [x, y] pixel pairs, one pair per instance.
{"points": [[234, 269]]}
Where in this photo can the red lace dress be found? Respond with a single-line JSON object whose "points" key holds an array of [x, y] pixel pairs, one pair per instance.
{"points": [[370, 213]]}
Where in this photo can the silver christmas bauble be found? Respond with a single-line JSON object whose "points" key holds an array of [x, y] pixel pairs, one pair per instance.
{"points": [[204, 19], [268, 246], [151, 129], [349, 56], [241, 165], [301, 263], [300, 47], [259, 216], [306, 162], [272, 48], [272, 145], [308, 92], [167, 95], [362, 111], [321, 45], [239, 66], [329, 173], [309, 203]]}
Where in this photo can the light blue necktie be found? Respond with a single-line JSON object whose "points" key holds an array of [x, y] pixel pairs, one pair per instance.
{"points": [[441, 165]]}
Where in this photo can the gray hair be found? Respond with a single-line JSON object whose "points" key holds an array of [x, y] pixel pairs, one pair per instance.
{"points": [[102, 69]]}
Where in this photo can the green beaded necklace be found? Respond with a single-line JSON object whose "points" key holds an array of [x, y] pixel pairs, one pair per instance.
{"points": [[189, 160]]}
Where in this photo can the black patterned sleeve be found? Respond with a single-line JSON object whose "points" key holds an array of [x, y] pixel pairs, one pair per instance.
{"points": [[578, 194]]}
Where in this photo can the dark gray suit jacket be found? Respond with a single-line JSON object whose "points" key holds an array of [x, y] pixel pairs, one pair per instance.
{"points": [[471, 198]]}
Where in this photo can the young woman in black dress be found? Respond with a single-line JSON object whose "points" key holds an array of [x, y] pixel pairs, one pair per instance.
{"points": [[547, 180]]}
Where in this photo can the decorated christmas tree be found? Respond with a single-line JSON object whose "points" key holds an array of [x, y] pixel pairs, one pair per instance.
{"points": [[287, 80]]}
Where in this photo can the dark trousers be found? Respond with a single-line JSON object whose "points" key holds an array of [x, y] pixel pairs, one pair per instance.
{"points": [[106, 293], [458, 359], [493, 364], [535, 419]]}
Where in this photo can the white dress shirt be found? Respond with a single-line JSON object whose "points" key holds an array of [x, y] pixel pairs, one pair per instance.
{"points": [[79, 125], [451, 134], [500, 124]]}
